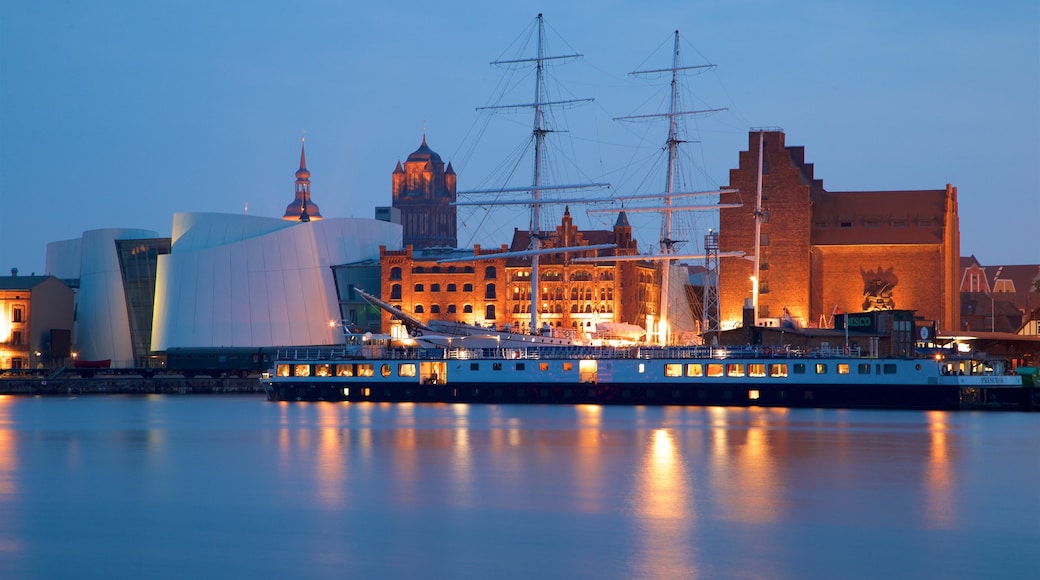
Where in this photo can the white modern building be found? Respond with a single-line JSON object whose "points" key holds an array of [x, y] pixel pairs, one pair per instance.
{"points": [[240, 280]]}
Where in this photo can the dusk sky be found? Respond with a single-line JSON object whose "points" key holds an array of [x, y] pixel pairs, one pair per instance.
{"points": [[119, 114]]}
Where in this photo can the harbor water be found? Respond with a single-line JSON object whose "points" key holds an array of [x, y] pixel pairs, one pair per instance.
{"points": [[233, 486]]}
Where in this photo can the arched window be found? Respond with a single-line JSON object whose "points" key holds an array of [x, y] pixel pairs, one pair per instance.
{"points": [[490, 273], [467, 287], [395, 273], [467, 309], [489, 292], [574, 308], [435, 287], [418, 309], [468, 269], [419, 288], [395, 292], [451, 287], [489, 312], [435, 309], [451, 309], [574, 293], [418, 270]]}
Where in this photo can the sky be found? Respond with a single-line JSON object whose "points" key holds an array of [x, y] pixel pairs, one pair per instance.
{"points": [[120, 114]]}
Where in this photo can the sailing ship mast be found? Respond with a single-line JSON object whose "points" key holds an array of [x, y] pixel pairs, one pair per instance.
{"points": [[667, 244], [540, 104]]}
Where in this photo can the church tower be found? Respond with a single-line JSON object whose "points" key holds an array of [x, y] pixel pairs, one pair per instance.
{"points": [[302, 208], [423, 190]]}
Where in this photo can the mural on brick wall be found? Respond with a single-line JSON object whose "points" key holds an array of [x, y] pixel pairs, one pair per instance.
{"points": [[878, 286]]}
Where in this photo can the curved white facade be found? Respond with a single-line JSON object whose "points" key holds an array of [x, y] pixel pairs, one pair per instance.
{"points": [[239, 280], [102, 328]]}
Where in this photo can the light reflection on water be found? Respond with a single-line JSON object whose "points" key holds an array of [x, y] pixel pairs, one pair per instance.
{"points": [[234, 486]]}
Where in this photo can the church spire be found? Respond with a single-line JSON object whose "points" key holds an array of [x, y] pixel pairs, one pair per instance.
{"points": [[302, 208]]}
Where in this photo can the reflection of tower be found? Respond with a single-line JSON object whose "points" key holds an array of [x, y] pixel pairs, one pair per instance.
{"points": [[302, 208], [423, 190]]}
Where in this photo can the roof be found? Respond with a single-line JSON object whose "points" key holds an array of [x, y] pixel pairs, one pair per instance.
{"points": [[22, 282], [424, 153]]}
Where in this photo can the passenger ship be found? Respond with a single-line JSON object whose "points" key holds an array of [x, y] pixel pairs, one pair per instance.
{"points": [[380, 369]]}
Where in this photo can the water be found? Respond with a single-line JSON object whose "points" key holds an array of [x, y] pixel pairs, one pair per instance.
{"points": [[236, 487]]}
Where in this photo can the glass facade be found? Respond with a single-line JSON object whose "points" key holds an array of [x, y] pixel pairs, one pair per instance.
{"points": [[137, 264]]}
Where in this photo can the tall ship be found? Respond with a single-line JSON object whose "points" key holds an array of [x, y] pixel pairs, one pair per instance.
{"points": [[451, 363]]}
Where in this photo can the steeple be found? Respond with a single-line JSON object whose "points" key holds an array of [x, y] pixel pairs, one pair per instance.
{"points": [[302, 208]]}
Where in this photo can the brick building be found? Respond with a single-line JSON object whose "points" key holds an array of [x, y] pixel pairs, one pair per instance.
{"points": [[497, 291], [823, 252], [423, 190], [36, 317]]}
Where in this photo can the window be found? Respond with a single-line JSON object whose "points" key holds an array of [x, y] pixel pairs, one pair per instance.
{"points": [[489, 312], [16, 338], [543, 366], [568, 366], [474, 366], [406, 370], [301, 370], [384, 370], [821, 368], [435, 309], [799, 369], [890, 369], [779, 370], [764, 239], [322, 370], [17, 314], [673, 370], [714, 370], [419, 288], [435, 287], [490, 273], [694, 370], [734, 370], [419, 309], [467, 287], [756, 370], [451, 309], [366, 370], [395, 292], [395, 273], [843, 368], [451, 288], [282, 370], [489, 292], [467, 309], [845, 225], [496, 366], [863, 368], [345, 370]]}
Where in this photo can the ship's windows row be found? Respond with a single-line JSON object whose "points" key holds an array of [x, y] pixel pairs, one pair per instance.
{"points": [[327, 370], [726, 369]]}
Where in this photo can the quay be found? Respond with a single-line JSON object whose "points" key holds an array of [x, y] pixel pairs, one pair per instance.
{"points": [[129, 385]]}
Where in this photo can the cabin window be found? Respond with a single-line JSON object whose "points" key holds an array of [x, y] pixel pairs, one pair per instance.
{"points": [[821, 368], [890, 369], [799, 369], [642, 368], [756, 370], [734, 370], [406, 370], [843, 368], [301, 370], [779, 370], [753, 394], [714, 370], [863, 368], [366, 370], [543, 366], [322, 370], [345, 370], [384, 370], [282, 370], [568, 366], [694, 370], [673, 370], [520, 366], [474, 366]]}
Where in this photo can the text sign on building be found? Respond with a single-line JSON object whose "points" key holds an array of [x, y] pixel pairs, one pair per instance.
{"points": [[857, 322]]}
